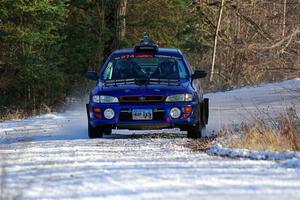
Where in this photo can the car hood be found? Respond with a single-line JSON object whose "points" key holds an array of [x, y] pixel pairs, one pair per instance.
{"points": [[149, 89]]}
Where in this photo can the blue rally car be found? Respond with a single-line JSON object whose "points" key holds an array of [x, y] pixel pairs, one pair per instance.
{"points": [[147, 87]]}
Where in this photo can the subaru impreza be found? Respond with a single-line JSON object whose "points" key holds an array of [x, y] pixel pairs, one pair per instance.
{"points": [[147, 87]]}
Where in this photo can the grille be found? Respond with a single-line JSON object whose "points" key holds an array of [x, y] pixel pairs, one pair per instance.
{"points": [[141, 99], [159, 114]]}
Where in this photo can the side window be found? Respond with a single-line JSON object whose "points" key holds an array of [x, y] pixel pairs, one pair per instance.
{"points": [[182, 70], [190, 69], [107, 74]]}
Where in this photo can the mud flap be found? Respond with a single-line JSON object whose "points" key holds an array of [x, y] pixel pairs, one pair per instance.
{"points": [[205, 111], [88, 112]]}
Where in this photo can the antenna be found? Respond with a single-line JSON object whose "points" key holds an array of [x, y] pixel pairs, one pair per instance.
{"points": [[146, 45], [146, 38]]}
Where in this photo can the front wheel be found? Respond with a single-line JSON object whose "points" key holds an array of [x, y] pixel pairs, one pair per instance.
{"points": [[196, 131], [94, 132]]}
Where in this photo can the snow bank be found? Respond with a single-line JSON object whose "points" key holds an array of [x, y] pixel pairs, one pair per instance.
{"points": [[292, 163], [49, 116], [219, 150], [18, 130], [265, 87]]}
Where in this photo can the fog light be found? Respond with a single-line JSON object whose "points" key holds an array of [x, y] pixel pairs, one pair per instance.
{"points": [[109, 113], [175, 113]]}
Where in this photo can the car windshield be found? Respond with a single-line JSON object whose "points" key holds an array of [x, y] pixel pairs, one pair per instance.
{"points": [[145, 66]]}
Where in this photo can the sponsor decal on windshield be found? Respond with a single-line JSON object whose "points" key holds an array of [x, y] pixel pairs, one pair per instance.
{"points": [[128, 56], [166, 56], [136, 56], [144, 56]]}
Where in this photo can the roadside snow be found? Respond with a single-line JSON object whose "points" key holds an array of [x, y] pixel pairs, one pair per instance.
{"points": [[219, 150], [233, 107], [293, 163]]}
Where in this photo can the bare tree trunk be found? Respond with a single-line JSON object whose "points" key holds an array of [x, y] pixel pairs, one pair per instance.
{"points": [[216, 41], [101, 16], [284, 19], [121, 21]]}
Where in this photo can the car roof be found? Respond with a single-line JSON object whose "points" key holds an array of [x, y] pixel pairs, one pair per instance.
{"points": [[161, 51]]}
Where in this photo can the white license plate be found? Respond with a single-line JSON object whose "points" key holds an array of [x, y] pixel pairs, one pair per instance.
{"points": [[142, 114]]}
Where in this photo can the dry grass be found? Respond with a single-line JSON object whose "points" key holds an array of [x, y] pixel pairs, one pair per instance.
{"points": [[8, 114], [280, 133], [275, 134], [201, 144], [12, 116]]}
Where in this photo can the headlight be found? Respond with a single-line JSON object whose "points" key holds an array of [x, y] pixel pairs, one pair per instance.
{"points": [[179, 97], [105, 99]]}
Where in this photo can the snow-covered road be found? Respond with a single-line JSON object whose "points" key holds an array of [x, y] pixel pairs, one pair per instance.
{"points": [[50, 157]]}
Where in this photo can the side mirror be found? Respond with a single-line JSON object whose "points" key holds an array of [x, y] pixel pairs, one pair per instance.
{"points": [[199, 74], [91, 75]]}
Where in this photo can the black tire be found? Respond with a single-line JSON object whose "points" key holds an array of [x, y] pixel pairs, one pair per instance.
{"points": [[106, 130], [94, 132], [199, 130], [205, 111], [196, 131]]}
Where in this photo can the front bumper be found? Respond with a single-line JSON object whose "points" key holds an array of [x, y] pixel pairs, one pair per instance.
{"points": [[161, 115]]}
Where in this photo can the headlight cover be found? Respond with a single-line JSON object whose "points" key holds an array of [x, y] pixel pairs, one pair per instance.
{"points": [[175, 113], [105, 99], [109, 113], [187, 97]]}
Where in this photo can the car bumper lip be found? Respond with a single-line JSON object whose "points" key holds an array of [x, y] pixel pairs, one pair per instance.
{"points": [[167, 121]]}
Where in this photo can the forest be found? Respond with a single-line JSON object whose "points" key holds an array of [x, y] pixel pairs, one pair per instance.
{"points": [[47, 45]]}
